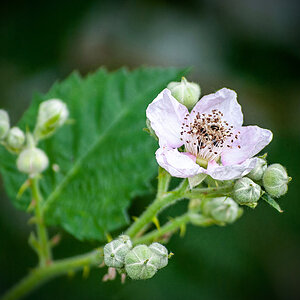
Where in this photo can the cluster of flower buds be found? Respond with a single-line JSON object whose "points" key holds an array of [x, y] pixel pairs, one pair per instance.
{"points": [[52, 114], [247, 190], [271, 179], [140, 262]]}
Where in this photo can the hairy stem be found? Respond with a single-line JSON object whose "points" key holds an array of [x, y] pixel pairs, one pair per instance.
{"points": [[43, 274], [46, 271], [44, 249], [168, 228], [210, 191], [161, 202]]}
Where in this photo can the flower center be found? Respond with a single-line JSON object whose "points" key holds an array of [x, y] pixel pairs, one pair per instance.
{"points": [[207, 135]]}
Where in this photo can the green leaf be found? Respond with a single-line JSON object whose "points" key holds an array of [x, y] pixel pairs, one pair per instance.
{"points": [[105, 158], [271, 202]]}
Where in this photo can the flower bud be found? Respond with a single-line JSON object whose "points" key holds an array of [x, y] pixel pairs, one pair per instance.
{"points": [[114, 253], [141, 263], [4, 123], [125, 239], [200, 220], [246, 192], [222, 209], [275, 180], [162, 253], [257, 173], [32, 161], [187, 93], [15, 139], [52, 115]]}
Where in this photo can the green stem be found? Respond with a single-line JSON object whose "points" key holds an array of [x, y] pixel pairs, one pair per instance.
{"points": [[168, 228], [45, 271], [44, 250], [161, 202], [43, 274], [210, 191]]}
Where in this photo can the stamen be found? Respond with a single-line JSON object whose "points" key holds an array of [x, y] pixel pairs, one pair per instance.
{"points": [[207, 134]]}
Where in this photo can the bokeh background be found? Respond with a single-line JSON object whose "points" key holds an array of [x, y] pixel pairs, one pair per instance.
{"points": [[250, 46]]}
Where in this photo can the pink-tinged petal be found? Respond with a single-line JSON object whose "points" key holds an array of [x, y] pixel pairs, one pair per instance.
{"points": [[231, 172], [178, 164], [166, 116], [250, 141], [224, 100]]}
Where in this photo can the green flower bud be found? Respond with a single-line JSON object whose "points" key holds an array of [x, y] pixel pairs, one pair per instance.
{"points": [[125, 239], [246, 192], [114, 253], [257, 173], [4, 123], [275, 180], [32, 161], [141, 263], [15, 139], [222, 209], [162, 253], [187, 93], [52, 115], [200, 220]]}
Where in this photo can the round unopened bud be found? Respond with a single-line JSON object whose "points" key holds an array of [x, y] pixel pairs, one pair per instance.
{"points": [[125, 239], [32, 161], [15, 139], [4, 123], [275, 180], [114, 253], [200, 220], [246, 192], [162, 253], [187, 93], [141, 263], [257, 173], [222, 209], [52, 114]]}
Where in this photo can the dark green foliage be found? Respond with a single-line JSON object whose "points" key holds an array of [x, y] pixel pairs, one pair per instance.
{"points": [[105, 158]]}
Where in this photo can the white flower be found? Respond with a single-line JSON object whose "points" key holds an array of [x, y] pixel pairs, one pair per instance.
{"points": [[214, 140]]}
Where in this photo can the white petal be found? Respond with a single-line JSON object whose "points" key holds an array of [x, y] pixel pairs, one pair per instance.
{"points": [[224, 100], [177, 163], [230, 172], [166, 116], [252, 139]]}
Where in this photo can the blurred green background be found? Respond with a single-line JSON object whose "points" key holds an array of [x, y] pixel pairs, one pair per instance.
{"points": [[249, 46]]}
